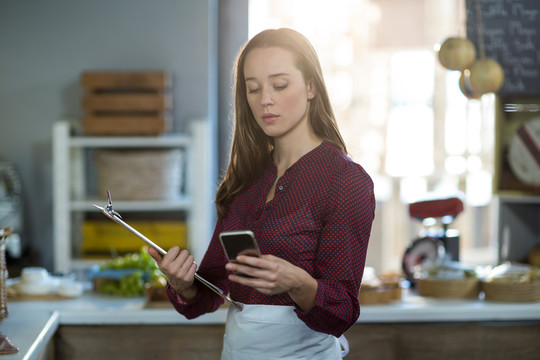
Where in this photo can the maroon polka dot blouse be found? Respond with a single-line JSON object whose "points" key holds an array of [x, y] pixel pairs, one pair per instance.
{"points": [[319, 219]]}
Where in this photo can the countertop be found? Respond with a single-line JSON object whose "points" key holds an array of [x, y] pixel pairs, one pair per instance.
{"points": [[31, 324], [29, 331]]}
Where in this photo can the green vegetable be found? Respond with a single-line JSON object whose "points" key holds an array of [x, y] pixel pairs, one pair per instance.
{"points": [[144, 271]]}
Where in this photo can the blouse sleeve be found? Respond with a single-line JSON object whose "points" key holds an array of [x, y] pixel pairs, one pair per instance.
{"points": [[212, 268], [340, 259]]}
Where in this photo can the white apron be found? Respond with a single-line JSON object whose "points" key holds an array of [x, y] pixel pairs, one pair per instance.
{"points": [[274, 332]]}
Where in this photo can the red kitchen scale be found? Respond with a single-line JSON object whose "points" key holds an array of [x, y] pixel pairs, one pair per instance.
{"points": [[435, 240]]}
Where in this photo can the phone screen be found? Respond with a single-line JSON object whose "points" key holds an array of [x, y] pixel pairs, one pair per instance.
{"points": [[239, 243]]}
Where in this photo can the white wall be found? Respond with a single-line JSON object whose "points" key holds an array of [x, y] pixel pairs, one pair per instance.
{"points": [[44, 46]]}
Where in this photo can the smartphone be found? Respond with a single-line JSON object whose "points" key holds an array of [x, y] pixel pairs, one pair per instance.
{"points": [[239, 243]]}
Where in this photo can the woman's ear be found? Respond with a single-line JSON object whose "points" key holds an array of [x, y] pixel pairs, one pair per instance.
{"points": [[311, 90]]}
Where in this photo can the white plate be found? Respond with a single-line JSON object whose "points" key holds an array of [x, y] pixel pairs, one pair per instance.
{"points": [[69, 288], [46, 287]]}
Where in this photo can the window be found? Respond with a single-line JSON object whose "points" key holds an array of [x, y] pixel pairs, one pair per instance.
{"points": [[401, 113]]}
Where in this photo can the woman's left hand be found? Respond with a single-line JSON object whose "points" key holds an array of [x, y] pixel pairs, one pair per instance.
{"points": [[271, 275]]}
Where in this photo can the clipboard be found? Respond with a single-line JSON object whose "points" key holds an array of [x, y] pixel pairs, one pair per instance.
{"points": [[115, 216]]}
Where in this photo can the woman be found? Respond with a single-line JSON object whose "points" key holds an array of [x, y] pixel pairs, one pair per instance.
{"points": [[309, 206]]}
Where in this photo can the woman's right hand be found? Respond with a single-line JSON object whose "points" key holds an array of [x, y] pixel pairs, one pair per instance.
{"points": [[179, 268]]}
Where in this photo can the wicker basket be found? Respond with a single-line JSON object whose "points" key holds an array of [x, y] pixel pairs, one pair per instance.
{"points": [[4, 233], [379, 295], [392, 283], [375, 295], [448, 289], [140, 174], [511, 292]]}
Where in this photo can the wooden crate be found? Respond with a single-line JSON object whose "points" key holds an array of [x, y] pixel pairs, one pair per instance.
{"points": [[126, 103]]}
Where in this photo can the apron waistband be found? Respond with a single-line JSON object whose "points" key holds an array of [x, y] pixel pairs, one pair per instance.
{"points": [[274, 332]]}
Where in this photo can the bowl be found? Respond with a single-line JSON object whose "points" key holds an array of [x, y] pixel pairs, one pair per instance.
{"points": [[34, 274]]}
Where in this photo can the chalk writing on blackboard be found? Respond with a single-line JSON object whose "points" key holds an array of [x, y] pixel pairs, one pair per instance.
{"points": [[511, 35]]}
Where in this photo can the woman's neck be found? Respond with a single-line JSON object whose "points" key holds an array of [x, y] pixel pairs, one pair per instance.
{"points": [[288, 151]]}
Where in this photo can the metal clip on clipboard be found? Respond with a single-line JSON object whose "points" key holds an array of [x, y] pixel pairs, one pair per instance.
{"points": [[113, 215]]}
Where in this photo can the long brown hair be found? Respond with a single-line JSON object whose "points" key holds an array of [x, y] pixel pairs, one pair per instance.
{"points": [[251, 146]]}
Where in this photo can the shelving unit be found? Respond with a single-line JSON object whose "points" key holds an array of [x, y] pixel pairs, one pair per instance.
{"points": [[518, 226], [71, 200], [517, 205]]}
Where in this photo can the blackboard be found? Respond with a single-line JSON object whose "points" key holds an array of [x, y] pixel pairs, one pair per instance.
{"points": [[512, 37]]}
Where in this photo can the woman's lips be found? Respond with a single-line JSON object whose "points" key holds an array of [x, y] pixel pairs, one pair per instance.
{"points": [[268, 118]]}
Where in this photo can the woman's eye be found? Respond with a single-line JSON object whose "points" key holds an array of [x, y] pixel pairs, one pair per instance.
{"points": [[280, 87], [253, 91]]}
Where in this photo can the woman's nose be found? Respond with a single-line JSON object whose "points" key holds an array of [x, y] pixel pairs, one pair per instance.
{"points": [[266, 98]]}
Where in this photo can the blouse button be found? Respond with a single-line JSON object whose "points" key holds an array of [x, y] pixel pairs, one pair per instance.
{"points": [[280, 187]]}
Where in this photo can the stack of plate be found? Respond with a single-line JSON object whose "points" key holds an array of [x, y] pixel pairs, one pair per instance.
{"points": [[36, 281]]}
